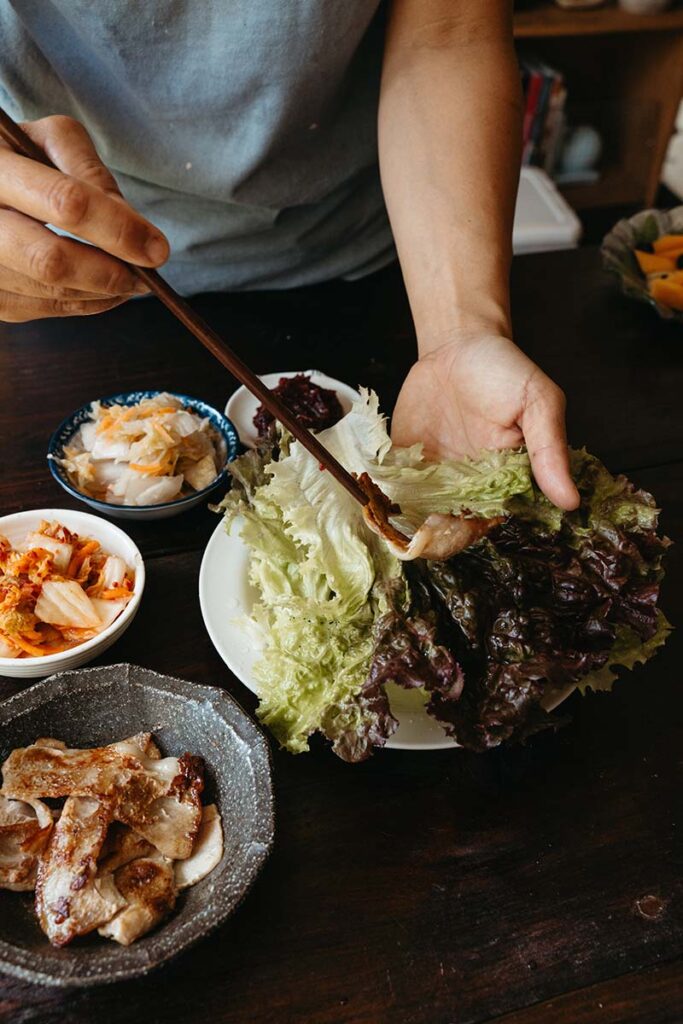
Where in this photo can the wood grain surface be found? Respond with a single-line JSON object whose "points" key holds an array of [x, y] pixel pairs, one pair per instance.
{"points": [[417, 888]]}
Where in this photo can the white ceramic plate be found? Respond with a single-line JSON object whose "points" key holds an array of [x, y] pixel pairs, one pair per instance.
{"points": [[242, 406], [115, 542], [226, 598]]}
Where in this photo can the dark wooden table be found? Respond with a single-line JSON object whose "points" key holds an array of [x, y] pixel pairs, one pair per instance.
{"points": [[417, 888]]}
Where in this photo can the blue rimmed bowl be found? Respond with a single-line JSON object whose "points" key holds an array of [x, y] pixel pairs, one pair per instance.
{"points": [[229, 448]]}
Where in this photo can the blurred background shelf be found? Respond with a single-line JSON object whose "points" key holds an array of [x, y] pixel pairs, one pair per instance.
{"points": [[550, 20], [624, 76]]}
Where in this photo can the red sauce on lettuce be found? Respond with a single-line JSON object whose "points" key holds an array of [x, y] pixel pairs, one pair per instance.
{"points": [[313, 406]]}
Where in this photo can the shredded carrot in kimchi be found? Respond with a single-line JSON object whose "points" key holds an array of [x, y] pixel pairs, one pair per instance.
{"points": [[57, 590]]}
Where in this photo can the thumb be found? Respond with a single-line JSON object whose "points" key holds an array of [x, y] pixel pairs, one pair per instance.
{"points": [[545, 435]]}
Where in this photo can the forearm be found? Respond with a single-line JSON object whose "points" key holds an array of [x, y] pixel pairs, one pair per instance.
{"points": [[449, 142]]}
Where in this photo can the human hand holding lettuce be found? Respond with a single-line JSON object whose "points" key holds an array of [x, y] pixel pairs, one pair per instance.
{"points": [[479, 391], [546, 601]]}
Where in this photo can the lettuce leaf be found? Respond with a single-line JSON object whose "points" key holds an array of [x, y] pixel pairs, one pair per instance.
{"points": [[627, 651], [540, 611], [315, 568], [547, 601]]}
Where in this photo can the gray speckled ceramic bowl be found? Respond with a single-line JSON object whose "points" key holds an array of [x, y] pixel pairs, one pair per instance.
{"points": [[617, 252], [94, 706]]}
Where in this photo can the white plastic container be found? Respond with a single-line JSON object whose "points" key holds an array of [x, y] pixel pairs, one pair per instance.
{"points": [[672, 171], [544, 220]]}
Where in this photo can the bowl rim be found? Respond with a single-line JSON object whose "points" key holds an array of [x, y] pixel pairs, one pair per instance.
{"points": [[50, 660], [226, 427]]}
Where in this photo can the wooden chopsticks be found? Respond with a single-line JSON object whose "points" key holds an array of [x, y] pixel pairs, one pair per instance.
{"points": [[21, 143]]}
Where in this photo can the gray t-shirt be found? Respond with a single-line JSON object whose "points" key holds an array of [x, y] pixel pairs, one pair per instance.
{"points": [[245, 129]]}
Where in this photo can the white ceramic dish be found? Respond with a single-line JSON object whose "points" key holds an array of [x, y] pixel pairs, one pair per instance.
{"points": [[242, 405], [115, 542], [226, 598]]}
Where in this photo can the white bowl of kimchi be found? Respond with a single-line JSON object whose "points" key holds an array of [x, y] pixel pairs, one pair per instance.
{"points": [[88, 551]]}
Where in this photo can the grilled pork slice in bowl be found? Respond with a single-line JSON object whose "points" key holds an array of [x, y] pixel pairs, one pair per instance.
{"points": [[114, 730]]}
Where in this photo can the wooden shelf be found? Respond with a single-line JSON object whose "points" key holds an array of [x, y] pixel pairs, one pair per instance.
{"points": [[550, 20], [609, 190], [624, 75]]}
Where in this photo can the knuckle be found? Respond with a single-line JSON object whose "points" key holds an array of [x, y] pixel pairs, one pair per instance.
{"points": [[115, 282], [53, 307], [80, 307], [558, 397], [126, 233], [62, 124], [54, 125], [72, 307], [47, 263], [549, 394], [56, 292], [89, 167], [8, 312], [68, 201]]}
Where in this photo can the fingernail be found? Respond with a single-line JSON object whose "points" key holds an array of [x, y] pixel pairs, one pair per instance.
{"points": [[156, 249], [140, 288]]}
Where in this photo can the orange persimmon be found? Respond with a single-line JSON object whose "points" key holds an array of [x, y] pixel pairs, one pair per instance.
{"points": [[668, 293], [651, 263], [668, 242]]}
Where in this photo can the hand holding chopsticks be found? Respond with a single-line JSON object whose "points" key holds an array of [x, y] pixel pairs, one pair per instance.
{"points": [[23, 145], [45, 274]]}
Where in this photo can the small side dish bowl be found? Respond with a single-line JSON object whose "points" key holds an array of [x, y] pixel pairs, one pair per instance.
{"points": [[65, 432], [115, 542], [241, 407], [97, 706], [626, 236]]}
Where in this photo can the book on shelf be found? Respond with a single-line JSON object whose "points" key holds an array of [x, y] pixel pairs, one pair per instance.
{"points": [[545, 95]]}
